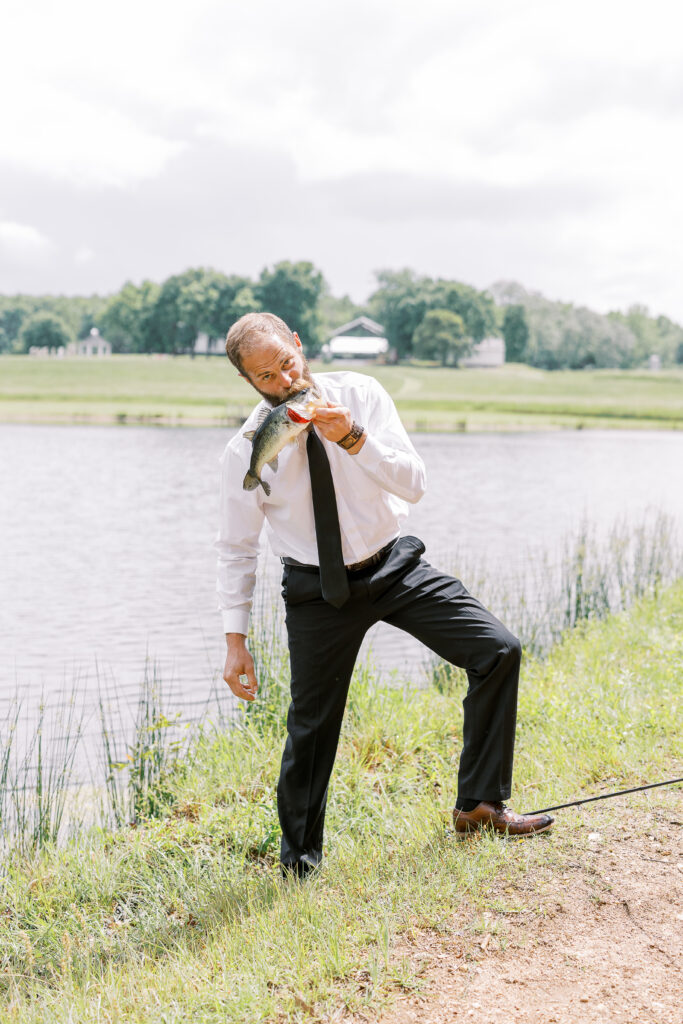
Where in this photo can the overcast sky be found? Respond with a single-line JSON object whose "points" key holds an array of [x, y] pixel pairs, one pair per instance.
{"points": [[538, 141]]}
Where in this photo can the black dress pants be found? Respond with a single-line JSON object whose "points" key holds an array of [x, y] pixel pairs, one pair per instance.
{"points": [[405, 591]]}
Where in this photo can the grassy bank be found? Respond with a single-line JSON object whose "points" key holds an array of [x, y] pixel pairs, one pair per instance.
{"points": [[185, 918], [184, 391]]}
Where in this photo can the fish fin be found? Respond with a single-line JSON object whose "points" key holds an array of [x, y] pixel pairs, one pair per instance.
{"points": [[273, 464], [251, 481], [265, 486], [263, 415], [261, 418]]}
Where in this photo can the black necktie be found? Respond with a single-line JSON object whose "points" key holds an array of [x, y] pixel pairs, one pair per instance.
{"points": [[333, 578]]}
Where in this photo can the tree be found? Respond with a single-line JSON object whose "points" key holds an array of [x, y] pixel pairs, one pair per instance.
{"points": [[292, 291], [516, 334], [45, 330], [235, 298], [13, 313], [659, 336], [441, 335], [564, 336], [477, 309], [77, 313], [125, 319], [400, 304], [402, 300], [185, 306]]}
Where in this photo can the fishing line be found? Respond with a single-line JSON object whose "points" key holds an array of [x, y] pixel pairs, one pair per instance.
{"points": [[608, 796]]}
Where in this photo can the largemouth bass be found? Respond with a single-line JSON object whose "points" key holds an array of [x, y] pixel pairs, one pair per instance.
{"points": [[280, 427]]}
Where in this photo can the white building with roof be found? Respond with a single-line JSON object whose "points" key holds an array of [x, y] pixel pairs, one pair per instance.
{"points": [[361, 338], [93, 345]]}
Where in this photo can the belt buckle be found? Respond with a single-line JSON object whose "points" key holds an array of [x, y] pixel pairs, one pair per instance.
{"points": [[365, 563]]}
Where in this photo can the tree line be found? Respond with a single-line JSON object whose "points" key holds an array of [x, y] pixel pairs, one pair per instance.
{"points": [[431, 319]]}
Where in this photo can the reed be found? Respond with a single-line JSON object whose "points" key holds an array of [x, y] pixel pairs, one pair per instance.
{"points": [[595, 577], [7, 774], [36, 781], [136, 784]]}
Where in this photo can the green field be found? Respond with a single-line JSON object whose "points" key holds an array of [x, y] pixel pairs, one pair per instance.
{"points": [[200, 392]]}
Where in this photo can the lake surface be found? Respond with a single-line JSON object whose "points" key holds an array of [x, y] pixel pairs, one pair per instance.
{"points": [[106, 541]]}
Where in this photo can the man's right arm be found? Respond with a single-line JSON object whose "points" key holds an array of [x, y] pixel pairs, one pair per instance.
{"points": [[240, 523]]}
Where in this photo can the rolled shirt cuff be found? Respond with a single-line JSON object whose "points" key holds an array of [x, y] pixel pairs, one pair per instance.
{"points": [[235, 620]]}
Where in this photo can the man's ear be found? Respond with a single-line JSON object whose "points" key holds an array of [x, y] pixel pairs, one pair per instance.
{"points": [[297, 339]]}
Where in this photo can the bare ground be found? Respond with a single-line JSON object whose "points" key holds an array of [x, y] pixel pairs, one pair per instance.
{"points": [[593, 935]]}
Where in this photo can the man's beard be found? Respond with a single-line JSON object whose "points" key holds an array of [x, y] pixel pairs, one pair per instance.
{"points": [[305, 374]]}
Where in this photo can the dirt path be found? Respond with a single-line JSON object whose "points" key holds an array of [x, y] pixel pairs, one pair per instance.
{"points": [[602, 942]]}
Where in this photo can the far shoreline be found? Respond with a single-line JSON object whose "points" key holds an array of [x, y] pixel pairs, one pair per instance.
{"points": [[144, 390], [420, 426]]}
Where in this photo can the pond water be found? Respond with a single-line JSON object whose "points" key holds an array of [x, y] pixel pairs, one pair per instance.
{"points": [[106, 540]]}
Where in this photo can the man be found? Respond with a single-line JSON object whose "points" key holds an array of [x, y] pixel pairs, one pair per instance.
{"points": [[333, 515]]}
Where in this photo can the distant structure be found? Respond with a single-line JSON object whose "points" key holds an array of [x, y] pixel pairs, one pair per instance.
{"points": [[361, 338], [45, 352], [485, 354], [654, 363], [206, 346], [93, 345]]}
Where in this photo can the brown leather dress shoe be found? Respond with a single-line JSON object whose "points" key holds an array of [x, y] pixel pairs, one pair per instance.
{"points": [[499, 818]]}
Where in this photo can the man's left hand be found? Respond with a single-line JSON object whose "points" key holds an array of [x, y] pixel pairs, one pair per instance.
{"points": [[333, 422]]}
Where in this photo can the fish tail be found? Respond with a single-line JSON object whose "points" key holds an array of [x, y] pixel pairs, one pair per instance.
{"points": [[265, 486], [251, 481]]}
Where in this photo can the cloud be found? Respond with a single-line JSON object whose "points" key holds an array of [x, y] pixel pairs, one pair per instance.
{"points": [[22, 241], [481, 141], [211, 205], [84, 254], [72, 138], [403, 198]]}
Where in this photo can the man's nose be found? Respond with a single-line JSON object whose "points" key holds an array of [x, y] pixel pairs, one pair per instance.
{"points": [[286, 378]]}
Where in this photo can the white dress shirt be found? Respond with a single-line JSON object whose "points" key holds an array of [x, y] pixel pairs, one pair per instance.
{"points": [[372, 488]]}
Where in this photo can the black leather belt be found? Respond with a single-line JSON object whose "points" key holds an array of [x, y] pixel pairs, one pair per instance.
{"points": [[365, 563]]}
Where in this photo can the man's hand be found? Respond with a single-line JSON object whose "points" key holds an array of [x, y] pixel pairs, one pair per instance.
{"points": [[335, 422], [238, 663]]}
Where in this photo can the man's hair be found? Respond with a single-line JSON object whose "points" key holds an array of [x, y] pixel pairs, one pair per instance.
{"points": [[246, 331]]}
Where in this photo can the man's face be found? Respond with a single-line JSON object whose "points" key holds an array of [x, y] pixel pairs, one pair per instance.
{"points": [[272, 365]]}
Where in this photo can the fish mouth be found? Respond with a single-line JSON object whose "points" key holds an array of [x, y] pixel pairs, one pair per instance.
{"points": [[296, 416], [303, 411]]}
